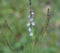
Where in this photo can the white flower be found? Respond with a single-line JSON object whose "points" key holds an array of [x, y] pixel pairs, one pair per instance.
{"points": [[33, 23], [28, 24], [32, 13], [29, 29], [31, 34], [31, 19]]}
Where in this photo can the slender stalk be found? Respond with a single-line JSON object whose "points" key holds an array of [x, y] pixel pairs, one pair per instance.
{"points": [[7, 24], [7, 44], [44, 29], [30, 7]]}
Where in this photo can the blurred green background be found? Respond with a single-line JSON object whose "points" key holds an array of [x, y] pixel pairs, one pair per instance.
{"points": [[14, 35]]}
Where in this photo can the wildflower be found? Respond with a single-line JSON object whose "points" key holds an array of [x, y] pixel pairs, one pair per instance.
{"points": [[28, 24], [31, 19], [29, 29], [31, 33], [32, 13], [33, 23]]}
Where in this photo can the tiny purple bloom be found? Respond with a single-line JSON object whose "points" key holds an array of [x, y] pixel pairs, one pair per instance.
{"points": [[31, 19]]}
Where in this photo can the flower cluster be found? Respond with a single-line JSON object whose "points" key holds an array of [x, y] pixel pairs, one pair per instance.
{"points": [[31, 22]]}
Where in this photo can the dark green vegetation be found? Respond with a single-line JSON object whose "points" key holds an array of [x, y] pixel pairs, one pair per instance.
{"points": [[14, 36]]}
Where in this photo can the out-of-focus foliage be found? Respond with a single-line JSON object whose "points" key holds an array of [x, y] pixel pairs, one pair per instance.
{"points": [[14, 36]]}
